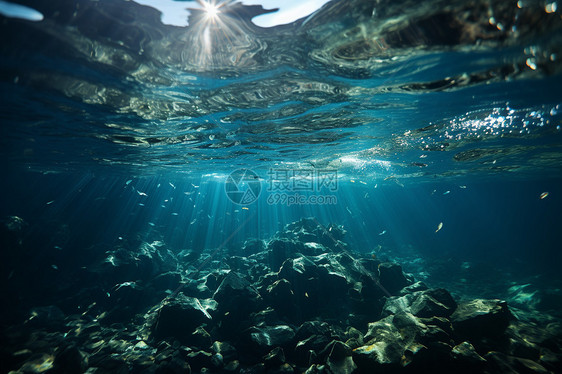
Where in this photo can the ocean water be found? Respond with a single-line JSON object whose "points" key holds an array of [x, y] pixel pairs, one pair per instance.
{"points": [[149, 157]]}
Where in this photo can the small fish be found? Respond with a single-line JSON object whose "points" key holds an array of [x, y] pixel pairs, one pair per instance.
{"points": [[128, 182], [151, 224], [423, 156], [544, 195], [306, 294], [193, 221], [174, 214], [433, 192], [141, 204], [439, 226], [446, 192], [463, 187], [171, 184], [352, 180], [194, 186], [348, 210], [382, 232], [363, 182], [50, 202], [141, 193], [188, 193], [366, 195], [245, 208], [376, 185], [57, 247], [158, 185], [55, 267], [120, 238]]}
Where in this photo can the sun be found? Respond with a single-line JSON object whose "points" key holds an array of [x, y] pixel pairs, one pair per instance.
{"points": [[211, 9]]}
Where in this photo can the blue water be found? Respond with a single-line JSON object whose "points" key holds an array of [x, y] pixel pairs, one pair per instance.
{"points": [[442, 137]]}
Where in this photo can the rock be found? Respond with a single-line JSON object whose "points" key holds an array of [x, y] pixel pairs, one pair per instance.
{"points": [[236, 294], [466, 358], [480, 318], [281, 297], [70, 360], [226, 349], [391, 277], [49, 317], [200, 359], [384, 346], [237, 299], [425, 304], [340, 358], [282, 249], [275, 358], [501, 363], [180, 316], [266, 337], [167, 281]]}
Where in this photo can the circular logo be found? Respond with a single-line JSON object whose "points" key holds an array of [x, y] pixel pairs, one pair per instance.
{"points": [[242, 186]]}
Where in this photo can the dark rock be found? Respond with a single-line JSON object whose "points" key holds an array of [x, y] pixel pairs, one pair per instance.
{"points": [[49, 317], [237, 299], [253, 246], [180, 316], [340, 358], [266, 337], [480, 318], [391, 277], [167, 281], [200, 359], [225, 349], [281, 297], [275, 358], [282, 249], [501, 363], [70, 360], [466, 358], [235, 294]]}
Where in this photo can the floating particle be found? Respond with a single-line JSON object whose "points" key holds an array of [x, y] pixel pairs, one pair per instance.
{"points": [[551, 7], [172, 185], [352, 181], [55, 267], [245, 208], [120, 238], [151, 224], [544, 195], [362, 182], [57, 247], [446, 192], [50, 202], [382, 232], [348, 210], [376, 185], [439, 226], [128, 182], [366, 195], [531, 63], [463, 187], [193, 221]]}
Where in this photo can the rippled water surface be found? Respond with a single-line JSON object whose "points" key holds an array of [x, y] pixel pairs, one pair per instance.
{"points": [[380, 88]]}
